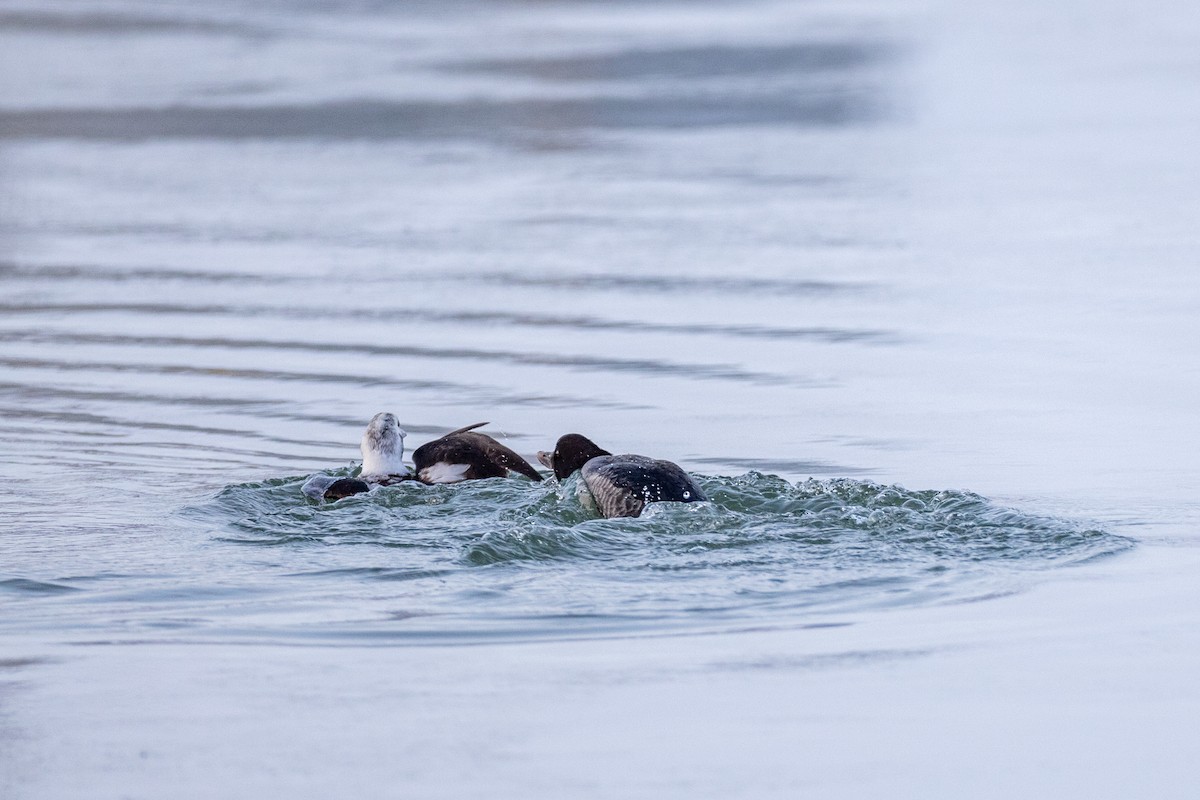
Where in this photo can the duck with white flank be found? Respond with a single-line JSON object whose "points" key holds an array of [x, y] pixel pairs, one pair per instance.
{"points": [[465, 455], [382, 447], [620, 485]]}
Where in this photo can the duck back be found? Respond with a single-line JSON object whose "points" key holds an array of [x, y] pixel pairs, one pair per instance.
{"points": [[466, 455], [623, 485]]}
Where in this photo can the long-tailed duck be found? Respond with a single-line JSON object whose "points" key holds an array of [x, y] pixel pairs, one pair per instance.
{"points": [[382, 447], [464, 455], [621, 485]]}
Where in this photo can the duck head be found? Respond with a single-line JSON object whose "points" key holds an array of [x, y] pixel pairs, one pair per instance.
{"points": [[571, 452]]}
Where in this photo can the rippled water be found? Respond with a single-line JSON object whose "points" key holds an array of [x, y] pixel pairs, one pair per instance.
{"points": [[212, 279], [910, 288], [512, 557]]}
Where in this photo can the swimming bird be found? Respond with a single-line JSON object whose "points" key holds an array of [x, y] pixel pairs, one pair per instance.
{"points": [[464, 455], [338, 489], [382, 447], [621, 485]]}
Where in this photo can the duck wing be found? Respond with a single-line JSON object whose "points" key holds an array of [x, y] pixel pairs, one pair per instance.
{"points": [[465, 429], [500, 455]]}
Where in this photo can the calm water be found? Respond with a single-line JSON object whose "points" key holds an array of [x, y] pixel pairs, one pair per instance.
{"points": [[912, 289]]}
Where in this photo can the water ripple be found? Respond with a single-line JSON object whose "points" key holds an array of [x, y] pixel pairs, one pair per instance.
{"points": [[27, 586], [499, 557], [467, 317], [120, 22], [688, 63], [487, 119], [261, 407], [54, 273], [576, 361], [671, 284]]}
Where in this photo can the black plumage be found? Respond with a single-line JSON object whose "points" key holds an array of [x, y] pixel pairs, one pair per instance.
{"points": [[622, 485], [345, 487], [467, 455]]}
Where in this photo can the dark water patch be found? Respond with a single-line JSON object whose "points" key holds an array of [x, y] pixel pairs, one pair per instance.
{"points": [[769, 179], [784, 465], [18, 663], [25, 433], [670, 284], [104, 577], [848, 658], [982, 598], [110, 22], [688, 63], [41, 393], [27, 586], [175, 624], [139, 275], [488, 557], [628, 281], [576, 361], [465, 317], [498, 121], [274, 408], [225, 372], [588, 323], [375, 573], [130, 423], [176, 591]]}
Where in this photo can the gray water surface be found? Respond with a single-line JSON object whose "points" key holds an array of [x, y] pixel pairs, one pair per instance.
{"points": [[910, 288]]}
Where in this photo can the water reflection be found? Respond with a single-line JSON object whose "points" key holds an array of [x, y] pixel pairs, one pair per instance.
{"points": [[692, 63], [837, 80], [490, 120], [101, 22]]}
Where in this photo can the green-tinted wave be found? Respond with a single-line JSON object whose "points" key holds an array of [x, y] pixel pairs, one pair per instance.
{"points": [[500, 555]]}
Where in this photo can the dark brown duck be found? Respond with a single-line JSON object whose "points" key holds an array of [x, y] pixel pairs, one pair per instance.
{"points": [[622, 485]]}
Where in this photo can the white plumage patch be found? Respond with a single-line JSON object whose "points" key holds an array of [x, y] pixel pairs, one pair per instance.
{"points": [[586, 499], [383, 446], [442, 472]]}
